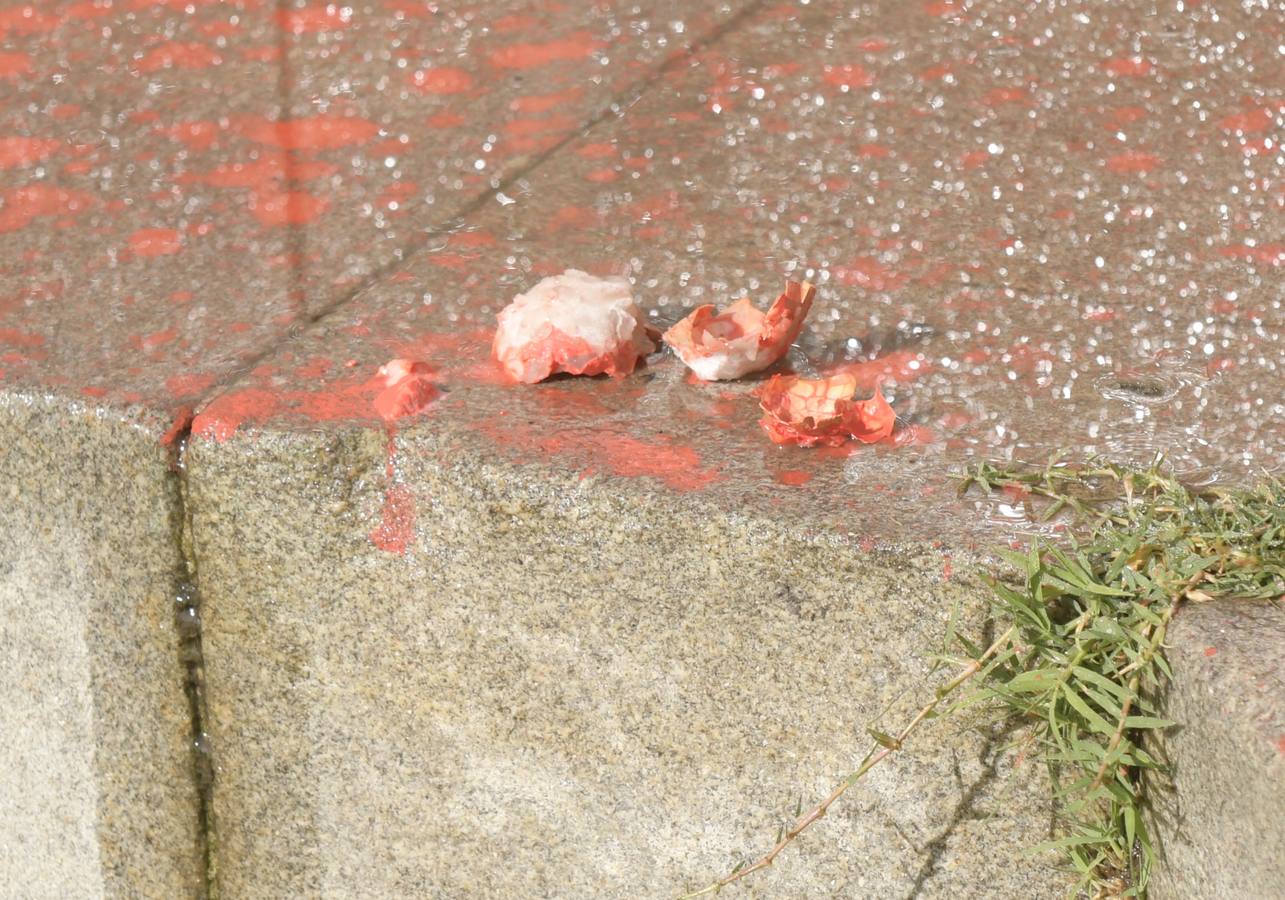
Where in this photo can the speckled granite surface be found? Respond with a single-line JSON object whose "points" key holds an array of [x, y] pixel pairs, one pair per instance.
{"points": [[96, 768], [1229, 754]]}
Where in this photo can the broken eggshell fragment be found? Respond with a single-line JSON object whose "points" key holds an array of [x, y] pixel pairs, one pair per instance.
{"points": [[740, 339], [821, 412], [407, 389], [575, 323]]}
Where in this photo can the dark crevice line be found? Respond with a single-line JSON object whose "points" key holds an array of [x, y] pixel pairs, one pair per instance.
{"points": [[404, 254], [187, 624]]}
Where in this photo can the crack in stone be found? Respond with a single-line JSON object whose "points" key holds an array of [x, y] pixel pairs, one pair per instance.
{"points": [[187, 622]]}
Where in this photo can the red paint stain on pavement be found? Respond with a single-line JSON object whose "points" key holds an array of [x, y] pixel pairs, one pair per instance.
{"points": [[1132, 161], [542, 103], [274, 207], [794, 477], [13, 65], [867, 272], [851, 75], [577, 46], [321, 132], [315, 19], [27, 19], [1211, 651], [182, 420], [1128, 66], [442, 80], [1248, 122], [677, 466], [23, 151], [188, 385], [150, 242], [178, 55], [15, 338], [396, 529], [1001, 96], [1266, 254], [22, 205], [196, 135]]}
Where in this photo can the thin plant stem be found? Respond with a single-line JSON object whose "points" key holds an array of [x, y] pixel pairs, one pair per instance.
{"points": [[877, 754]]}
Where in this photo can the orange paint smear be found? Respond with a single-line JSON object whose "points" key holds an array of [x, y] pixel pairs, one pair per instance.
{"points": [[178, 55], [677, 466], [150, 242], [23, 151], [22, 205], [321, 132], [528, 56]]}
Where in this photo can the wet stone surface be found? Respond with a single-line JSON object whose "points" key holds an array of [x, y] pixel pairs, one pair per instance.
{"points": [[1028, 273]]}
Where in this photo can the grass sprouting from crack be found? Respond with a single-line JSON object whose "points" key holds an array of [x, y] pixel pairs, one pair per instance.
{"points": [[1084, 652]]}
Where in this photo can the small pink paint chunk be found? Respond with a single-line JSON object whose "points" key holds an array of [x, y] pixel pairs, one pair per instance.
{"points": [[574, 323], [740, 339], [408, 389], [821, 412]]}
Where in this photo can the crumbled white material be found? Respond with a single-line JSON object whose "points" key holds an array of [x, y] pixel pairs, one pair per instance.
{"points": [[577, 305]]}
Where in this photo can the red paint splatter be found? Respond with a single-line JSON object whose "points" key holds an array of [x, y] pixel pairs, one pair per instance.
{"points": [[1267, 254], [794, 477], [275, 207], [23, 151], [27, 20], [577, 46], [677, 466], [442, 80], [196, 135], [188, 385], [1211, 651], [150, 242], [867, 272], [1248, 122], [321, 132], [542, 103], [15, 338], [1132, 161], [178, 55], [852, 75], [182, 419], [1001, 96], [1128, 66], [331, 17], [13, 65], [22, 205], [396, 529]]}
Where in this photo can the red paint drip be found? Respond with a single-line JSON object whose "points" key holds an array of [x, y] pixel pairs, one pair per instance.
{"points": [[182, 419], [396, 529]]}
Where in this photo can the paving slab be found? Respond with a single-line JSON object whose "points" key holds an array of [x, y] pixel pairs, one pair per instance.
{"points": [[1229, 752], [96, 767], [437, 106], [536, 633]]}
